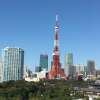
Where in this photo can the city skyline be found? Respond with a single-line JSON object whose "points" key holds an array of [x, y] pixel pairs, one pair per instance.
{"points": [[30, 25]]}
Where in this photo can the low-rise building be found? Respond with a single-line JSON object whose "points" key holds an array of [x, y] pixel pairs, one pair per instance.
{"points": [[37, 76]]}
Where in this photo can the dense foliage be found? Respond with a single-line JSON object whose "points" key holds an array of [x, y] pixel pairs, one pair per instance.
{"points": [[43, 90]]}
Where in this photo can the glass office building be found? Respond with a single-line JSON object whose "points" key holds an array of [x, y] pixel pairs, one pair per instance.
{"points": [[44, 61], [13, 65]]}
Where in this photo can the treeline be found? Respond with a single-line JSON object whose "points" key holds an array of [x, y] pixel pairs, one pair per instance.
{"points": [[18, 90], [43, 90]]}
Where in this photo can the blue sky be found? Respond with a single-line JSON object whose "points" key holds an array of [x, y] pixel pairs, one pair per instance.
{"points": [[29, 24]]}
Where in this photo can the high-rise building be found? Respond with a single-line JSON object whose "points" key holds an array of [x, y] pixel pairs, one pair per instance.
{"points": [[44, 61], [56, 71], [91, 67], [68, 65], [13, 64]]}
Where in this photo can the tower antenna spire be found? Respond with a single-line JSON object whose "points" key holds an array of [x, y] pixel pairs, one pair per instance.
{"points": [[56, 17], [57, 23]]}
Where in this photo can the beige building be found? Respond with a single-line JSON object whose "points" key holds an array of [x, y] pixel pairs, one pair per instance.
{"points": [[68, 65], [79, 69]]}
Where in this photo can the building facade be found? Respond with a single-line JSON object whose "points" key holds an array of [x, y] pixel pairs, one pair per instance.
{"points": [[25, 72], [68, 65], [37, 68], [97, 73], [44, 61], [85, 72], [91, 67], [69, 58], [13, 64], [79, 69]]}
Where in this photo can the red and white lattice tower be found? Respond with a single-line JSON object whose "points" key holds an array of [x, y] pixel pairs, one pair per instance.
{"points": [[56, 71]]}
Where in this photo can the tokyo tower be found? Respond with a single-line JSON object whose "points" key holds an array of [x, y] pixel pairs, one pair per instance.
{"points": [[56, 71]]}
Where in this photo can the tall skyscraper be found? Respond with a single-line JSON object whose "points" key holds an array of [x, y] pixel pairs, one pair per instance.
{"points": [[56, 71], [91, 67], [13, 63], [44, 61], [68, 65]]}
